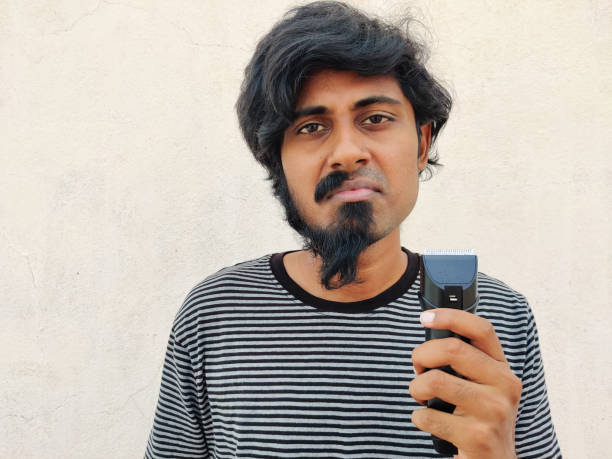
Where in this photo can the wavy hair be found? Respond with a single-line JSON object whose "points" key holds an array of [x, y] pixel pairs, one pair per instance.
{"points": [[330, 35]]}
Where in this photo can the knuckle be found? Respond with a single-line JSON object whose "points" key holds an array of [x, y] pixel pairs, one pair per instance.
{"points": [[455, 346], [426, 417], [429, 422], [482, 436], [422, 418], [416, 353], [413, 388], [516, 389], [499, 409], [465, 391], [486, 330], [437, 378]]}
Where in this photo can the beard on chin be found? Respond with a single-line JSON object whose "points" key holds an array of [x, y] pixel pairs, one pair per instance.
{"points": [[340, 244]]}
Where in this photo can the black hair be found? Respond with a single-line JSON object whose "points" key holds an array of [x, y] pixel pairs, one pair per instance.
{"points": [[329, 35]]}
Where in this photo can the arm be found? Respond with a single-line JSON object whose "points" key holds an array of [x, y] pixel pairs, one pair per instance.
{"points": [[177, 428], [535, 433]]}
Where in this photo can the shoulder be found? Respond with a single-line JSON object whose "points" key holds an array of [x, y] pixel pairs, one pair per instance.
{"points": [[224, 288], [501, 304], [512, 318], [490, 288]]}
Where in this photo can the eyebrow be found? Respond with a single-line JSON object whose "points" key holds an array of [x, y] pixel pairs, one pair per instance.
{"points": [[322, 109], [376, 100]]}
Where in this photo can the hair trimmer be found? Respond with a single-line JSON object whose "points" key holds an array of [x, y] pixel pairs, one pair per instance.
{"points": [[448, 280]]}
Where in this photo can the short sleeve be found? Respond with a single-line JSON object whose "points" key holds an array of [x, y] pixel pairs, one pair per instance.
{"points": [[535, 435], [177, 428]]}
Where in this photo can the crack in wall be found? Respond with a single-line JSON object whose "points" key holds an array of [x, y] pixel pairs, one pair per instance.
{"points": [[48, 412], [176, 26], [25, 255], [77, 20]]}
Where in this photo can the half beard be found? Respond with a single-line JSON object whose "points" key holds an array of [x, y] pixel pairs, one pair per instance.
{"points": [[338, 245]]}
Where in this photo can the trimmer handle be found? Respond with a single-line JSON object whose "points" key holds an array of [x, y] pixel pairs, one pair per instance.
{"points": [[442, 446], [448, 280]]}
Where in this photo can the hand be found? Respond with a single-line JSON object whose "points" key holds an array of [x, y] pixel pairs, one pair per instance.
{"points": [[482, 425]]}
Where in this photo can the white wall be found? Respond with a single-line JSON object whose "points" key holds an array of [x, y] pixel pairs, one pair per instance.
{"points": [[124, 181]]}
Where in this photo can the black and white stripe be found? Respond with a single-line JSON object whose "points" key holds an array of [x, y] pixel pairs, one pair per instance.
{"points": [[253, 371]]}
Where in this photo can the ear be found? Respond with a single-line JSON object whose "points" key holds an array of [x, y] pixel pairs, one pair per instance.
{"points": [[424, 145]]}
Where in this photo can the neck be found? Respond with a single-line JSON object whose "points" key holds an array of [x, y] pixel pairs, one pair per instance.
{"points": [[379, 267]]}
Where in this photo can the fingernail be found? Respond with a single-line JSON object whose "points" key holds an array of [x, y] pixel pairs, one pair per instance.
{"points": [[427, 317]]}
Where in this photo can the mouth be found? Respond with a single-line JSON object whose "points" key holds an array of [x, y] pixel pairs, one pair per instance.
{"points": [[357, 194]]}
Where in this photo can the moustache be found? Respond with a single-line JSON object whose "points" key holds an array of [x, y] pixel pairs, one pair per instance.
{"points": [[330, 183]]}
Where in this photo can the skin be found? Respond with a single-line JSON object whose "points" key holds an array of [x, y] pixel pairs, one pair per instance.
{"points": [[379, 141], [482, 425]]}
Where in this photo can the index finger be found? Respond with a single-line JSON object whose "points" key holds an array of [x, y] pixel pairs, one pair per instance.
{"points": [[478, 330]]}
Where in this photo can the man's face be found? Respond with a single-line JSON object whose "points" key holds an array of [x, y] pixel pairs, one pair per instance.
{"points": [[350, 132]]}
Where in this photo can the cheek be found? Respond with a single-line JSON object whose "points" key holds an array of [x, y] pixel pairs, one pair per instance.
{"points": [[301, 186], [406, 188], [291, 170], [301, 173]]}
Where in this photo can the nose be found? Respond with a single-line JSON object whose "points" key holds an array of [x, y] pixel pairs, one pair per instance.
{"points": [[348, 149]]}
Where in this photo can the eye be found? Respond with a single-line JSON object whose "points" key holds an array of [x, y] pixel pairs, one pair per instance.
{"points": [[377, 119], [311, 128]]}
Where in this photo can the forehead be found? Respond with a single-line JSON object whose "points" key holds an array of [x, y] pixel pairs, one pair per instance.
{"points": [[336, 88]]}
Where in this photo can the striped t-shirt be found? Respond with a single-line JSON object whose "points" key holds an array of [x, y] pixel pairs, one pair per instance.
{"points": [[256, 367]]}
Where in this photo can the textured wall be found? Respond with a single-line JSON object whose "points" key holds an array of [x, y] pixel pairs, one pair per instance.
{"points": [[124, 181]]}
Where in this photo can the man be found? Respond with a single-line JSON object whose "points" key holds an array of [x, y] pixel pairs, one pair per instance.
{"points": [[320, 352]]}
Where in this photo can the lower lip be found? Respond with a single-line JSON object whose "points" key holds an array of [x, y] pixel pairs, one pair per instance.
{"points": [[354, 195]]}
